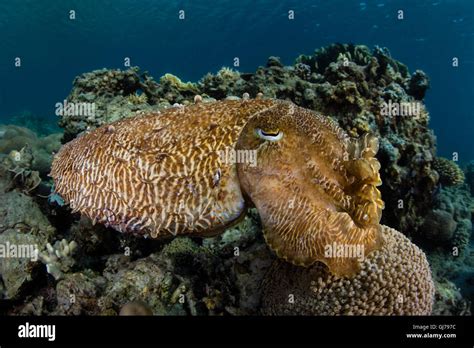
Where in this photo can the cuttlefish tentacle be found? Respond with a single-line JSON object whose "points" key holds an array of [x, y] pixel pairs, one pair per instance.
{"points": [[195, 170]]}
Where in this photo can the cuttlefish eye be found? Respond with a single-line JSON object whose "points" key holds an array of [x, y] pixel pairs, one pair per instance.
{"points": [[269, 135]]}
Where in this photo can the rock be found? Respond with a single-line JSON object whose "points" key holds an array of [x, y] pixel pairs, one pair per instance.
{"points": [[77, 294]]}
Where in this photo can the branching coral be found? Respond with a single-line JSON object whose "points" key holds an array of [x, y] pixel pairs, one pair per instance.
{"points": [[395, 280], [58, 258], [221, 84]]}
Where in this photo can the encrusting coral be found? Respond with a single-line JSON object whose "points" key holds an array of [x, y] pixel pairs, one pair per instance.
{"points": [[112, 176], [395, 280]]}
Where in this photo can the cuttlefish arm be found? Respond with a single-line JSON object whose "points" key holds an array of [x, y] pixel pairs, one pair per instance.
{"points": [[314, 188]]}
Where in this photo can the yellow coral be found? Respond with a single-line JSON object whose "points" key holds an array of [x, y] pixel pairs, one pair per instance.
{"points": [[449, 172], [176, 82], [137, 98], [228, 73]]}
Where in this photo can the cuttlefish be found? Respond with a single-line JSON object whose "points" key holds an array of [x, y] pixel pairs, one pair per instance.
{"points": [[195, 170]]}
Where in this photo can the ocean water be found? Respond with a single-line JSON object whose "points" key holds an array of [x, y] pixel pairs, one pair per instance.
{"points": [[55, 49]]}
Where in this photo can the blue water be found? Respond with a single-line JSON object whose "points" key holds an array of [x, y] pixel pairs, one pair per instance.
{"points": [[55, 49]]}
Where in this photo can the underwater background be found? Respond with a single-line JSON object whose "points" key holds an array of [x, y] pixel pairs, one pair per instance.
{"points": [[55, 49], [61, 58]]}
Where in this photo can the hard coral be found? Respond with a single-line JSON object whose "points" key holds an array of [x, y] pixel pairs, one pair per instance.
{"points": [[395, 280], [449, 172], [15, 138], [439, 226], [136, 98]]}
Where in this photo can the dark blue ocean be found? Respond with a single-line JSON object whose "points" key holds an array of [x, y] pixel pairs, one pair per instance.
{"points": [[55, 49]]}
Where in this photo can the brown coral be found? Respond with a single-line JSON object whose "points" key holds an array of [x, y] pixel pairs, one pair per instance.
{"points": [[165, 173], [449, 172], [395, 280]]}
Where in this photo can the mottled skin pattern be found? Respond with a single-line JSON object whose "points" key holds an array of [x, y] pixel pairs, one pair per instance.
{"points": [[161, 174]]}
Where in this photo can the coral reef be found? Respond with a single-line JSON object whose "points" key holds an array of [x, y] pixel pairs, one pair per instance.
{"points": [[110, 93], [24, 230], [17, 272], [439, 226], [449, 172], [449, 223], [222, 276], [450, 253], [349, 82], [174, 90], [58, 258], [469, 175], [15, 138], [222, 84], [137, 98], [113, 274], [448, 300], [19, 163], [395, 280]]}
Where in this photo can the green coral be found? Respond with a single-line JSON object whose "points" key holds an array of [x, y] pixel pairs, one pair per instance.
{"points": [[175, 82]]}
